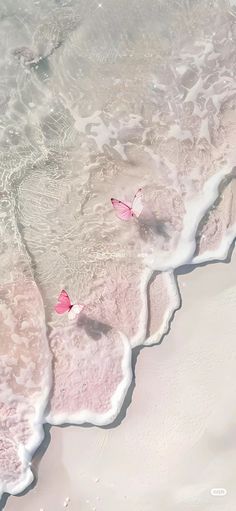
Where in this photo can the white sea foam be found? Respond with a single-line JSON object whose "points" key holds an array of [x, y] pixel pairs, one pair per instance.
{"points": [[221, 252], [26, 452], [87, 416], [173, 305], [195, 211], [139, 337], [29, 409]]}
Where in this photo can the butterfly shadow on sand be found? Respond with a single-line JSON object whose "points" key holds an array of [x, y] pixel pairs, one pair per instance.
{"points": [[93, 328], [149, 224]]}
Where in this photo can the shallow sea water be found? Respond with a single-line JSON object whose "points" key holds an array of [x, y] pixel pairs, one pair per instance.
{"points": [[98, 100]]}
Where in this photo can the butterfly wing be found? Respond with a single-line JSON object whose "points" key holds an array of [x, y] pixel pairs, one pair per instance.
{"points": [[75, 310], [64, 303], [123, 211], [137, 206]]}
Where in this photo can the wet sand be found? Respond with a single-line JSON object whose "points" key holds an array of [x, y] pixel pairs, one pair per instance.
{"points": [[175, 438]]}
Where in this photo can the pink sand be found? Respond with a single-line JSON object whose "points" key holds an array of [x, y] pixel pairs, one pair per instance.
{"points": [[25, 379]]}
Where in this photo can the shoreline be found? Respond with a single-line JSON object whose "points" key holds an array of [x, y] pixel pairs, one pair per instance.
{"points": [[186, 368]]}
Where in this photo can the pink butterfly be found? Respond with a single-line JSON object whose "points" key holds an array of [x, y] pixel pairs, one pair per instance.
{"points": [[126, 211], [64, 305]]}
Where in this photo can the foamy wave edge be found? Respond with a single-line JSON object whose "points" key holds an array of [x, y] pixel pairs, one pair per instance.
{"points": [[184, 254], [26, 452], [86, 416]]}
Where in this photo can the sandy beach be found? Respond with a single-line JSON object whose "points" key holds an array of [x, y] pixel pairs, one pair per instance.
{"points": [[174, 441]]}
